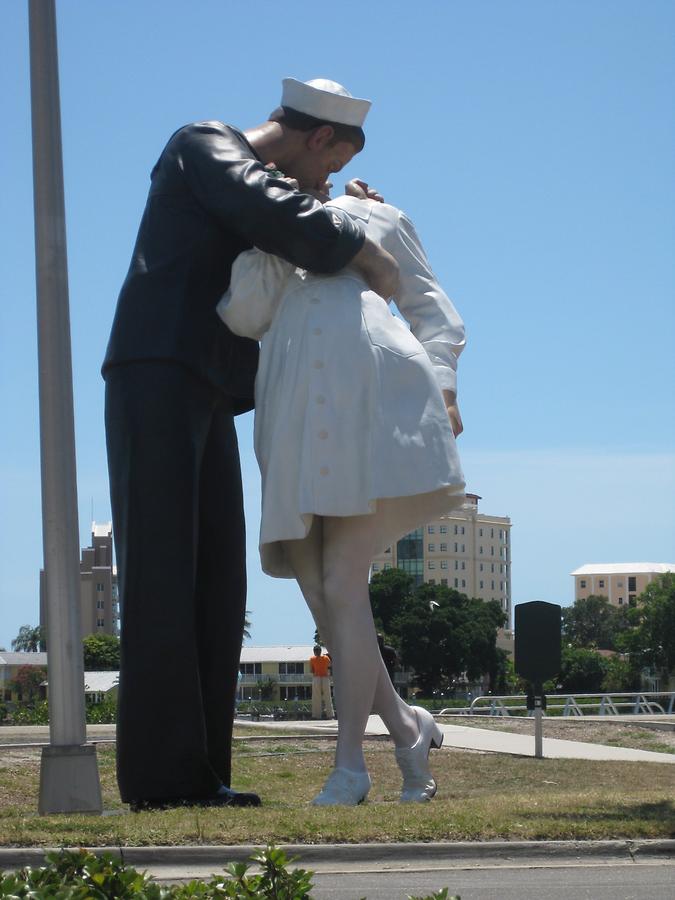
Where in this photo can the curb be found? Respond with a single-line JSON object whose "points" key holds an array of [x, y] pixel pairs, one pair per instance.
{"points": [[398, 854]]}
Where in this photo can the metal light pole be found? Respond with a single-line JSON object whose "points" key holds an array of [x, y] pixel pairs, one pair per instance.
{"points": [[69, 779]]}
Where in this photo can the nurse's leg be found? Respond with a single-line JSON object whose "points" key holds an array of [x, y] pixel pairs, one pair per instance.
{"points": [[348, 548], [305, 558]]}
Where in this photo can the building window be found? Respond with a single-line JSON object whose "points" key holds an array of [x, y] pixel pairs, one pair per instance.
{"points": [[456, 582], [431, 564], [444, 548], [493, 585], [456, 565], [463, 565], [632, 600], [492, 567], [481, 584], [444, 564], [100, 623], [430, 529], [388, 550], [619, 584], [100, 604], [601, 583], [620, 601], [100, 587], [295, 692], [480, 551], [492, 551], [463, 548], [462, 530], [582, 583], [481, 567], [443, 529], [492, 532], [387, 566], [463, 583], [632, 583], [456, 529], [431, 548], [444, 581], [291, 668], [432, 581], [376, 567], [480, 532], [456, 546], [250, 668]]}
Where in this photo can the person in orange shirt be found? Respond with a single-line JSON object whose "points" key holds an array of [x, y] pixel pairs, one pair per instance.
{"points": [[321, 698]]}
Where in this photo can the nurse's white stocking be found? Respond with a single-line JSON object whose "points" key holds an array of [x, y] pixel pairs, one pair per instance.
{"points": [[348, 548], [306, 559]]}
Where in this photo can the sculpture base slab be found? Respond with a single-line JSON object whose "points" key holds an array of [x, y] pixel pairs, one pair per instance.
{"points": [[69, 781]]}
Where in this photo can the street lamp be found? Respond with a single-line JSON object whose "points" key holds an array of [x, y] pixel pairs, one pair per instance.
{"points": [[69, 779]]}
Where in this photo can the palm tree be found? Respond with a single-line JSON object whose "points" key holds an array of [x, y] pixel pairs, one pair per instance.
{"points": [[28, 640], [247, 626]]}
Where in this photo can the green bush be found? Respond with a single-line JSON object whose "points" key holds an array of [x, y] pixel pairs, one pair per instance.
{"points": [[29, 713], [104, 713], [81, 875]]}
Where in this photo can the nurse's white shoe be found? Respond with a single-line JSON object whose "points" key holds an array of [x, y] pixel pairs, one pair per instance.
{"points": [[419, 785], [343, 787]]}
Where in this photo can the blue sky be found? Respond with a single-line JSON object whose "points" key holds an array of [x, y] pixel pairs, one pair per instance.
{"points": [[532, 144]]}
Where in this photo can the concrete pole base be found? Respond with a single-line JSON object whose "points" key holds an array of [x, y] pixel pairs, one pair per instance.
{"points": [[69, 781]]}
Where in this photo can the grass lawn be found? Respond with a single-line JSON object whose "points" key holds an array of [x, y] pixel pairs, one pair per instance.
{"points": [[480, 797]]}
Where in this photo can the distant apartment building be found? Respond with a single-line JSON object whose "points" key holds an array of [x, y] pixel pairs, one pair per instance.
{"points": [[99, 597], [465, 550], [622, 583]]}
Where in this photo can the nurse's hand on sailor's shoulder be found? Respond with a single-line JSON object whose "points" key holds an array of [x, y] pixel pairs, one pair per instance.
{"points": [[453, 412], [378, 269], [362, 190], [271, 169]]}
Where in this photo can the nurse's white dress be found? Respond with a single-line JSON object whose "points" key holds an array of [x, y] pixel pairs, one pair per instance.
{"points": [[349, 417]]}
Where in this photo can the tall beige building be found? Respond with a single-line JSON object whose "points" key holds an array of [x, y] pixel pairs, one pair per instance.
{"points": [[622, 583], [466, 550], [99, 597]]}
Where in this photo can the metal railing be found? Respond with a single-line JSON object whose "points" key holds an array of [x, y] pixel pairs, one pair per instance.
{"points": [[572, 705]]}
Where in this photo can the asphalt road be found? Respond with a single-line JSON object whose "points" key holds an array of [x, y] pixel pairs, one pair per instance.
{"points": [[625, 881]]}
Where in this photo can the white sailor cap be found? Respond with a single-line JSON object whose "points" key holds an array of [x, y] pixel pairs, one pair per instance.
{"points": [[324, 99]]}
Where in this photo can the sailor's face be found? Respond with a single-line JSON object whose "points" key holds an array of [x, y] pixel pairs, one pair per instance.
{"points": [[313, 169]]}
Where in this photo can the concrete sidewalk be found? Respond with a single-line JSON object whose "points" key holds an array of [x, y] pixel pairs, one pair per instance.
{"points": [[463, 737]]}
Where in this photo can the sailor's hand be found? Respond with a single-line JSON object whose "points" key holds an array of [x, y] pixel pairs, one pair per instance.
{"points": [[450, 399], [378, 268], [362, 190]]}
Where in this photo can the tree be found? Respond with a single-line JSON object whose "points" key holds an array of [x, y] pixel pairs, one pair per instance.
{"points": [[266, 687], [246, 636], [389, 593], [27, 682], [440, 633], [29, 639], [650, 640], [657, 606], [582, 671], [593, 623], [620, 676], [101, 653]]}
